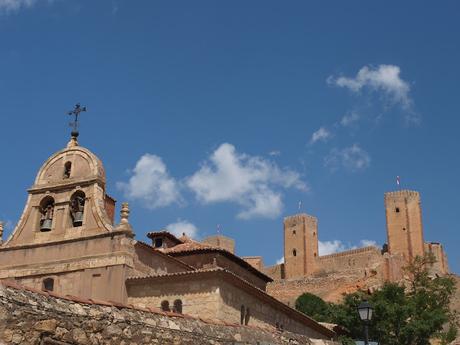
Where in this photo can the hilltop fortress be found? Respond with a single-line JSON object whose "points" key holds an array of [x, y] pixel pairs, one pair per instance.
{"points": [[331, 275]]}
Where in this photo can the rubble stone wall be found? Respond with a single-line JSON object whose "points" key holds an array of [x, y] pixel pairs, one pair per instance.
{"points": [[38, 318]]}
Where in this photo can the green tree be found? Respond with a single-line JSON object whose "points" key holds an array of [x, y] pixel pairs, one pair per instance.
{"points": [[313, 306], [404, 314]]}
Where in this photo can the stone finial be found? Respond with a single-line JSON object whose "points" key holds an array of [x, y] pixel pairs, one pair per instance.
{"points": [[124, 213], [73, 140], [124, 219]]}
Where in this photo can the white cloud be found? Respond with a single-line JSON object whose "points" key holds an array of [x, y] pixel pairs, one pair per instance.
{"points": [[336, 246], [352, 158], [349, 119], [14, 5], [280, 261], [182, 227], [330, 247], [322, 134], [151, 183], [367, 243], [384, 78], [252, 182], [275, 153]]}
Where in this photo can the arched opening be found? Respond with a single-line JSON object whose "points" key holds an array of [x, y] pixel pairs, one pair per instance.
{"points": [[247, 316], [48, 284], [294, 252], [77, 208], [67, 169], [242, 314], [165, 306], [46, 214], [177, 308]]}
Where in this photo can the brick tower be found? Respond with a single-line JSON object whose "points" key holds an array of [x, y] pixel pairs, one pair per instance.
{"points": [[300, 245], [404, 223]]}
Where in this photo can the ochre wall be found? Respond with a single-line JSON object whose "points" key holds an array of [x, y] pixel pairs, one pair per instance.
{"points": [[404, 223], [91, 267], [215, 299], [209, 260], [362, 258], [200, 297], [148, 262], [300, 245]]}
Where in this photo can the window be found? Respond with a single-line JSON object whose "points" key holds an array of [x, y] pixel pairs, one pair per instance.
{"points": [[397, 209], [67, 169], [314, 254], [242, 314], [77, 208], [165, 306], [177, 306], [247, 316], [46, 214], [293, 232], [294, 252], [48, 284], [158, 242]]}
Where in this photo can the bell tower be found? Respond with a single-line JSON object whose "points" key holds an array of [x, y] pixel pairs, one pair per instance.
{"points": [[67, 200], [404, 223]]}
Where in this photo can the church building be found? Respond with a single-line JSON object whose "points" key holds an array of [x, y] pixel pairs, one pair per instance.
{"points": [[67, 242]]}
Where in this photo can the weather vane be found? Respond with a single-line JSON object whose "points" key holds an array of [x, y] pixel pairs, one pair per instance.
{"points": [[76, 111]]}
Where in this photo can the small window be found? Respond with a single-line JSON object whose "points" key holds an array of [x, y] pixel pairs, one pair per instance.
{"points": [[397, 209], [67, 169], [48, 284], [314, 233], [177, 306], [294, 252], [247, 316], [165, 306], [158, 242], [242, 314], [293, 232], [314, 255]]}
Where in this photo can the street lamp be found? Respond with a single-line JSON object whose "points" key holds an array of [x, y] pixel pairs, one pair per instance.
{"points": [[365, 314]]}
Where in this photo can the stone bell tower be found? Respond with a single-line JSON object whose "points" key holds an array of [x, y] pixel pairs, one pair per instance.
{"points": [[67, 199], [66, 240]]}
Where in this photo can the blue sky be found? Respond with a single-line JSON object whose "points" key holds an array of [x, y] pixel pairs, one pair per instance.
{"points": [[230, 113]]}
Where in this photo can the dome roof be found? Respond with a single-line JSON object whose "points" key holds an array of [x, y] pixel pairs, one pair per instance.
{"points": [[74, 163]]}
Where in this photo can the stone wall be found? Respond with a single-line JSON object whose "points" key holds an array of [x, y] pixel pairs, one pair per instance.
{"points": [[365, 259], [38, 318], [217, 295]]}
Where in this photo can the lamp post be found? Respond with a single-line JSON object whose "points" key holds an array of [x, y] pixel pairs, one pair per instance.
{"points": [[365, 311]]}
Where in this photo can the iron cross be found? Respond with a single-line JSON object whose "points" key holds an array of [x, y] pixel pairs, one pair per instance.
{"points": [[76, 111]]}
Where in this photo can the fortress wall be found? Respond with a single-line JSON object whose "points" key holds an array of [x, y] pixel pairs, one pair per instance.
{"points": [[275, 271], [361, 258]]}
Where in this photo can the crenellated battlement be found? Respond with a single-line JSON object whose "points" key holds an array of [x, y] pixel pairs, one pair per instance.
{"points": [[351, 252], [295, 219], [404, 193]]}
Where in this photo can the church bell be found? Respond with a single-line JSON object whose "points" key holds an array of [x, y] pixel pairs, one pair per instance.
{"points": [[46, 225], [78, 219]]}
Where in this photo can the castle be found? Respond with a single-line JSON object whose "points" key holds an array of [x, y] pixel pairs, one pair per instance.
{"points": [[357, 268], [67, 243]]}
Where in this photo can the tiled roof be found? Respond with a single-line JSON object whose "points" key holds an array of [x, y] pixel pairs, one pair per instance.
{"points": [[236, 280], [167, 257], [165, 233]]}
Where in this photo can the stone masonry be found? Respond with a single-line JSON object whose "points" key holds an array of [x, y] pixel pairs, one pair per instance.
{"points": [[29, 316]]}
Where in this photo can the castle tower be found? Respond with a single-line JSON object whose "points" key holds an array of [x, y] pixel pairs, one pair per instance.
{"points": [[404, 223], [300, 245]]}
